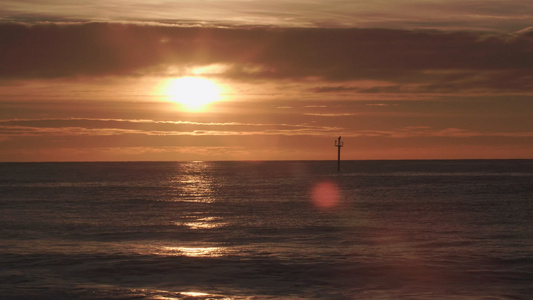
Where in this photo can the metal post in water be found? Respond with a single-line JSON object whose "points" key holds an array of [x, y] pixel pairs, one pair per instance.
{"points": [[339, 144]]}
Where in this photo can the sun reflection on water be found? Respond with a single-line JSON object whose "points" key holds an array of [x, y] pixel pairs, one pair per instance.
{"points": [[187, 295], [158, 297], [196, 251], [194, 294], [203, 223], [193, 183], [194, 188]]}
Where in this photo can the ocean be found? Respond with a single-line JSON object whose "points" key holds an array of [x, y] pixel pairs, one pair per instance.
{"points": [[450, 229]]}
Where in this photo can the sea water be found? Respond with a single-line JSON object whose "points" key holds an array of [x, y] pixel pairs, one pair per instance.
{"points": [[267, 230]]}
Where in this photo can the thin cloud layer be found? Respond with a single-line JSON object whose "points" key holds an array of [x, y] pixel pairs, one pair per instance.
{"points": [[426, 60], [498, 15], [104, 127], [107, 127]]}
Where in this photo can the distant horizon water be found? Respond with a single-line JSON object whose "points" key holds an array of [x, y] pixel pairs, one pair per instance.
{"points": [[268, 160], [379, 229]]}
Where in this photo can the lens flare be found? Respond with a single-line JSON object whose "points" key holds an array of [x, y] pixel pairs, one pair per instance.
{"points": [[325, 195]]}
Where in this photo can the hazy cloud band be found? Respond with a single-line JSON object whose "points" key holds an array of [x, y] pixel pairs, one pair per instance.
{"points": [[435, 61]]}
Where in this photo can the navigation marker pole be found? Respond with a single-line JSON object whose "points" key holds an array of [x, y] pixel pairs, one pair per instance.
{"points": [[339, 144]]}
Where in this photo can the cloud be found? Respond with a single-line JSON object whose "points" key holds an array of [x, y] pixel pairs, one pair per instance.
{"points": [[450, 14], [335, 89], [424, 131], [109, 127], [424, 60], [115, 127]]}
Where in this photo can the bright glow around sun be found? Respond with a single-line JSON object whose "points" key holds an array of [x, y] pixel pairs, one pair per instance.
{"points": [[192, 93]]}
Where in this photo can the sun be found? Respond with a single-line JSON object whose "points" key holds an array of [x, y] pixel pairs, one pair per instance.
{"points": [[192, 93]]}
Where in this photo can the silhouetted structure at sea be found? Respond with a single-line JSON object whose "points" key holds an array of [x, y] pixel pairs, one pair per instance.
{"points": [[267, 230]]}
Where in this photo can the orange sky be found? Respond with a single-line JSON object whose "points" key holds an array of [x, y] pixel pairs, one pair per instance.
{"points": [[415, 80]]}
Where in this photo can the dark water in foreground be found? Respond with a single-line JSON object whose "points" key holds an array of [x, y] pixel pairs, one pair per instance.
{"points": [[267, 230]]}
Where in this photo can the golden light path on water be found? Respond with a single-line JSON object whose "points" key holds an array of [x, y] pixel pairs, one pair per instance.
{"points": [[194, 185], [190, 296], [203, 223], [194, 251]]}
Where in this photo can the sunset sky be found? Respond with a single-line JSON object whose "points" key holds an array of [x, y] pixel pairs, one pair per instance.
{"points": [[95, 80]]}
